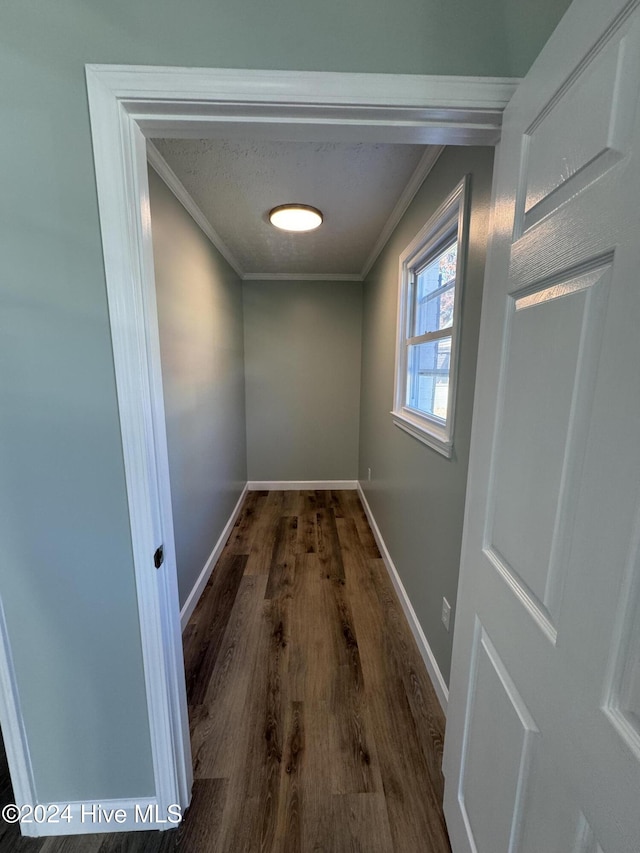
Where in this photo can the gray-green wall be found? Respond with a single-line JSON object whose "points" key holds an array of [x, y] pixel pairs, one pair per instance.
{"points": [[201, 343], [66, 574], [528, 24], [302, 355], [416, 494]]}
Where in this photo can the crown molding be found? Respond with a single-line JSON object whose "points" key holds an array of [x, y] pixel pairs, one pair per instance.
{"points": [[412, 109], [303, 276], [426, 164], [173, 182]]}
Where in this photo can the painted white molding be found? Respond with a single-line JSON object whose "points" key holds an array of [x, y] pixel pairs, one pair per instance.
{"points": [[425, 108], [177, 765], [173, 182], [128, 105], [424, 167], [445, 448], [451, 217], [13, 733], [123, 197], [198, 588], [99, 816], [300, 485], [411, 107], [436, 676], [303, 276]]}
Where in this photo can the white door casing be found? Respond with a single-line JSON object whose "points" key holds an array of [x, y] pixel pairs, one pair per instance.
{"points": [[130, 104], [542, 751]]}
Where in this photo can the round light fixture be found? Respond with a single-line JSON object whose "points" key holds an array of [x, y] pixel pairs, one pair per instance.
{"points": [[295, 217]]}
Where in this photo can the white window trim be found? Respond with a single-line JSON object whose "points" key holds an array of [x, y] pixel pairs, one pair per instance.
{"points": [[452, 215]]}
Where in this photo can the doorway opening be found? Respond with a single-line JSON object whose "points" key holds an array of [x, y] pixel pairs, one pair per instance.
{"points": [[129, 106]]}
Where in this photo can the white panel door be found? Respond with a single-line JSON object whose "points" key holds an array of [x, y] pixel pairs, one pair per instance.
{"points": [[542, 752]]}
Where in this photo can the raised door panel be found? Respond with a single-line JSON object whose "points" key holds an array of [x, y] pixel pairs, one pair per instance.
{"points": [[549, 371], [623, 691], [586, 841], [581, 132], [498, 753]]}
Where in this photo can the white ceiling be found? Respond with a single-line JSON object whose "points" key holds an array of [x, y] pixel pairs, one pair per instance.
{"points": [[357, 186]]}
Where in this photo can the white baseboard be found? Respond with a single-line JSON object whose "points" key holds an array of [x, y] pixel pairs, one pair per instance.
{"points": [[437, 679], [100, 816], [194, 596], [299, 485]]}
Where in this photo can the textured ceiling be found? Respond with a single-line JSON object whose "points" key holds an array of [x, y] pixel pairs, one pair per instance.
{"points": [[236, 183]]}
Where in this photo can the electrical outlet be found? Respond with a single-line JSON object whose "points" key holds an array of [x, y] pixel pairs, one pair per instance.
{"points": [[368, 473], [446, 613]]}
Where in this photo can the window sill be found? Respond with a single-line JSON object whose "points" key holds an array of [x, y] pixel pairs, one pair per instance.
{"points": [[430, 435]]}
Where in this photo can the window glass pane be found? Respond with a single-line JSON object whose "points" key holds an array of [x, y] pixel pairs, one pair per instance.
{"points": [[428, 377], [434, 293]]}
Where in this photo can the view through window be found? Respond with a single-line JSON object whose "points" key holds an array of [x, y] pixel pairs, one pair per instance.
{"points": [[431, 274]]}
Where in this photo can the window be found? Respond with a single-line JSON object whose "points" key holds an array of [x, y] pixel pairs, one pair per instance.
{"points": [[430, 293]]}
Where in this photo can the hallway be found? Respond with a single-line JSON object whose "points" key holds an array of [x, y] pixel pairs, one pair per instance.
{"points": [[314, 726]]}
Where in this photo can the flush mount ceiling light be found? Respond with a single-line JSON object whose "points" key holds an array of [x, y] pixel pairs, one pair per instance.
{"points": [[295, 217]]}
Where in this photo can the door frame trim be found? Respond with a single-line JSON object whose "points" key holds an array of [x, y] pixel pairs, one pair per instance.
{"points": [[128, 105], [13, 731]]}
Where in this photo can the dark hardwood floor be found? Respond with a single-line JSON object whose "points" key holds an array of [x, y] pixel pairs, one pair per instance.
{"points": [[314, 726]]}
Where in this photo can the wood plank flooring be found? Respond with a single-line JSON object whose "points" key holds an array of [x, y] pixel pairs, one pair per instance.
{"points": [[314, 726]]}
